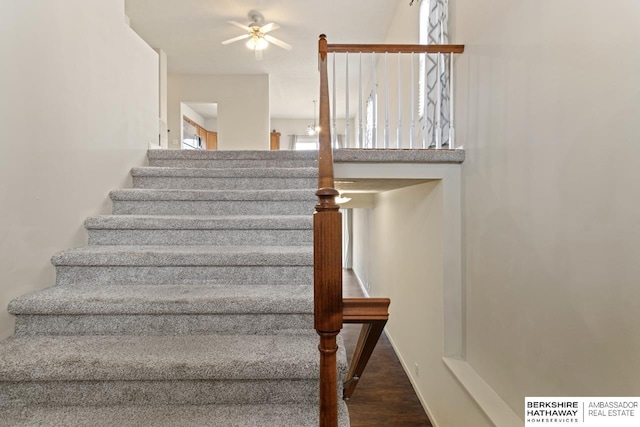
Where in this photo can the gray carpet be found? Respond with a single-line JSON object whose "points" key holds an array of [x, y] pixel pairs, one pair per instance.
{"points": [[192, 305], [274, 415]]}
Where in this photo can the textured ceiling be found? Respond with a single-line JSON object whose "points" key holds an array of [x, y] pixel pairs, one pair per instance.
{"points": [[191, 32]]}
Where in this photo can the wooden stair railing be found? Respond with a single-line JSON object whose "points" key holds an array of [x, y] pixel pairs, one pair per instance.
{"points": [[327, 260], [395, 48], [373, 313], [330, 309]]}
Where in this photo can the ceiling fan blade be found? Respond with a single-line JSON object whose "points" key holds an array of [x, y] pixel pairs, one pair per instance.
{"points": [[237, 24], [278, 42], [269, 27], [258, 53], [235, 39]]}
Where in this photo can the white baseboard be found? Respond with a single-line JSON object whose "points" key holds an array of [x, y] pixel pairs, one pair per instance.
{"points": [[402, 363], [364, 291], [407, 371], [500, 414], [496, 409]]}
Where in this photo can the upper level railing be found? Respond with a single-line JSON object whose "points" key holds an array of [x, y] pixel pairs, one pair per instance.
{"points": [[330, 309], [392, 96]]}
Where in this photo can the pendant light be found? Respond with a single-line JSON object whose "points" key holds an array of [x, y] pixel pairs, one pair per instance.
{"points": [[313, 129]]}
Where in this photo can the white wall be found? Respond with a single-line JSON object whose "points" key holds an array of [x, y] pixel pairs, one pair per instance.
{"points": [[243, 107], [408, 248], [399, 253], [404, 29], [211, 124], [79, 107], [361, 224], [162, 93], [548, 107]]}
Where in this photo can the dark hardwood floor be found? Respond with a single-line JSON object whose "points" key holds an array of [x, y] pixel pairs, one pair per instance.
{"points": [[384, 396]]}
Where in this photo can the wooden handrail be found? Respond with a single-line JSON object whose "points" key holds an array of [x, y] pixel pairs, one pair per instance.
{"points": [[330, 310], [362, 310], [395, 48], [327, 258], [373, 313]]}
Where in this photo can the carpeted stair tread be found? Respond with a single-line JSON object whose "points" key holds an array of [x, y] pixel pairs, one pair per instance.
{"points": [[152, 358], [201, 222], [265, 415], [155, 171], [185, 256], [139, 194], [281, 230], [232, 155], [234, 164], [191, 306], [227, 179], [139, 201], [169, 299]]}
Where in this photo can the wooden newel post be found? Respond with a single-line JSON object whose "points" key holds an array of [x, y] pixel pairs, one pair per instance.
{"points": [[327, 242]]}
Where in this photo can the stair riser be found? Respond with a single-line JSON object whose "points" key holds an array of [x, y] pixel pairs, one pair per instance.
{"points": [[211, 207], [143, 222], [197, 183], [162, 324], [202, 237], [179, 392], [178, 275], [227, 164]]}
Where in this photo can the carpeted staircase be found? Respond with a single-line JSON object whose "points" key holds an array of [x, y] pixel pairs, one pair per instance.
{"points": [[191, 306]]}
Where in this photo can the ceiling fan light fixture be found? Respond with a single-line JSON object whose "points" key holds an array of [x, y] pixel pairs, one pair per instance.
{"points": [[257, 43], [256, 35]]}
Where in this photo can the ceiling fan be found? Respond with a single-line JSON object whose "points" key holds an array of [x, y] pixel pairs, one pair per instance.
{"points": [[257, 34]]}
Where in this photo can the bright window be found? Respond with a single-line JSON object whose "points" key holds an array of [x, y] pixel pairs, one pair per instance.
{"points": [[305, 142]]}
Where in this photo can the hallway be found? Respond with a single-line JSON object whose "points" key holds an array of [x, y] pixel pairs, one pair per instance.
{"points": [[384, 396]]}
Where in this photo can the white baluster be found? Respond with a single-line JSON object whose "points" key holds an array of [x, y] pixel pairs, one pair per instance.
{"points": [[360, 127], [334, 134], [439, 103], [412, 130], [374, 132], [452, 140], [386, 100], [346, 113], [425, 130], [440, 70], [399, 97]]}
